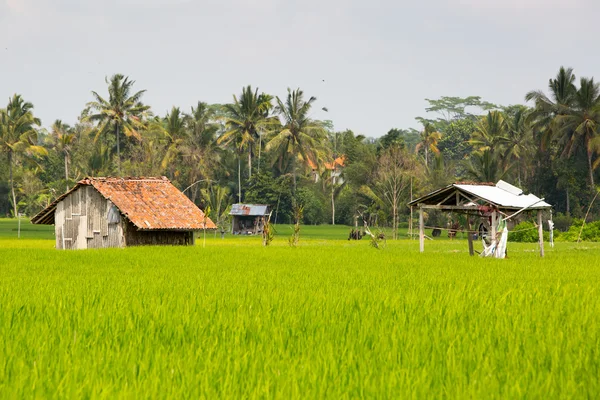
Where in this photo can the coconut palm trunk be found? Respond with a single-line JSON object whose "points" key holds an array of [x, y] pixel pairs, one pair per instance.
{"points": [[239, 178], [259, 150], [12, 183], [67, 170], [118, 152], [294, 172], [249, 161], [591, 169]]}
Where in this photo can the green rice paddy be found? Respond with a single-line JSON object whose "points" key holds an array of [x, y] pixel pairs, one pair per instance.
{"points": [[330, 319]]}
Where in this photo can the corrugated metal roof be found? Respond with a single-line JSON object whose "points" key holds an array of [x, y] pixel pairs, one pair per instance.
{"points": [[149, 203], [502, 197], [249, 209], [502, 194]]}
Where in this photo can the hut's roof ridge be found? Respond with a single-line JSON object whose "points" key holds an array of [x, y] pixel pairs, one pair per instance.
{"points": [[475, 183], [150, 203], [89, 179]]}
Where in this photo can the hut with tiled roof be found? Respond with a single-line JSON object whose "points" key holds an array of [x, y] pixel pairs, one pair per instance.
{"points": [[119, 212]]}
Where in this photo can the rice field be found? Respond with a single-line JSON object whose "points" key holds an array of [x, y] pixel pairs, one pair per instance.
{"points": [[329, 319]]}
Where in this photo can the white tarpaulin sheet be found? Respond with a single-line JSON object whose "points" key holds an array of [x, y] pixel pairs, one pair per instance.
{"points": [[504, 195]]}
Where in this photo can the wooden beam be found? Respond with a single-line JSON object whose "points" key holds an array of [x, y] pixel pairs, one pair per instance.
{"points": [[541, 233], [448, 208], [421, 231], [410, 223], [494, 225], [470, 235], [468, 198], [447, 198]]}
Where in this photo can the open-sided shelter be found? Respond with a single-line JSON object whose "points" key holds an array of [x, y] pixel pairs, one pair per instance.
{"points": [[248, 219], [501, 201], [119, 212]]}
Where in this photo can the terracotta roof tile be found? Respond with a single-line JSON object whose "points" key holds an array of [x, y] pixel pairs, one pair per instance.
{"points": [[149, 203]]}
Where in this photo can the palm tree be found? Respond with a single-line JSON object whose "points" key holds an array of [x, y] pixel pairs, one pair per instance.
{"points": [[199, 149], [18, 135], [483, 166], [429, 141], [267, 107], [516, 142], [63, 138], [173, 130], [489, 132], [245, 119], [562, 96], [122, 111], [300, 138], [580, 123]]}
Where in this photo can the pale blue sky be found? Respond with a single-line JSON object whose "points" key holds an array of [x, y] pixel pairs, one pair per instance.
{"points": [[379, 59]]}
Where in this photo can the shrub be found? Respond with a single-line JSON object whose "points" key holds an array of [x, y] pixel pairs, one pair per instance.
{"points": [[590, 232], [526, 232]]}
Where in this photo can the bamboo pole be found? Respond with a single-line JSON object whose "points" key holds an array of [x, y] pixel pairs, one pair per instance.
{"points": [[494, 225], [421, 231], [541, 233]]}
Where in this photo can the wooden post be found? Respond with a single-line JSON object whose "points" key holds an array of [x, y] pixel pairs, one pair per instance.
{"points": [[494, 225], [470, 235], [540, 233], [421, 231], [410, 224]]}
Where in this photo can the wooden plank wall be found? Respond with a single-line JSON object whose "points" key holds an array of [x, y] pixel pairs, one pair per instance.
{"points": [[81, 222], [133, 237], [59, 223]]}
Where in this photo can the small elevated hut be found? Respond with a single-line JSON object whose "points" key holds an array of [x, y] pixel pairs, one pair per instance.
{"points": [[494, 203], [119, 212], [248, 219]]}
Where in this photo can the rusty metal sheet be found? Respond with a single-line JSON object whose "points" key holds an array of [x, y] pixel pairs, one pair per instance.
{"points": [[249, 209]]}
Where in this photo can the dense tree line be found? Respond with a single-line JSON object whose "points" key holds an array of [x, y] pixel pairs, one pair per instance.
{"points": [[266, 149]]}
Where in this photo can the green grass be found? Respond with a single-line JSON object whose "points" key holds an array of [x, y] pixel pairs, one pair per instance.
{"points": [[9, 230], [329, 319]]}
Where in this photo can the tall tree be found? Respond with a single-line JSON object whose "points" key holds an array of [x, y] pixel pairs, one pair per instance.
{"points": [[396, 167], [268, 122], [18, 135], [245, 120], [63, 139], [199, 150], [300, 139], [454, 108], [562, 97], [580, 123], [489, 132], [429, 140], [123, 111], [173, 131], [543, 120], [484, 166], [517, 141]]}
